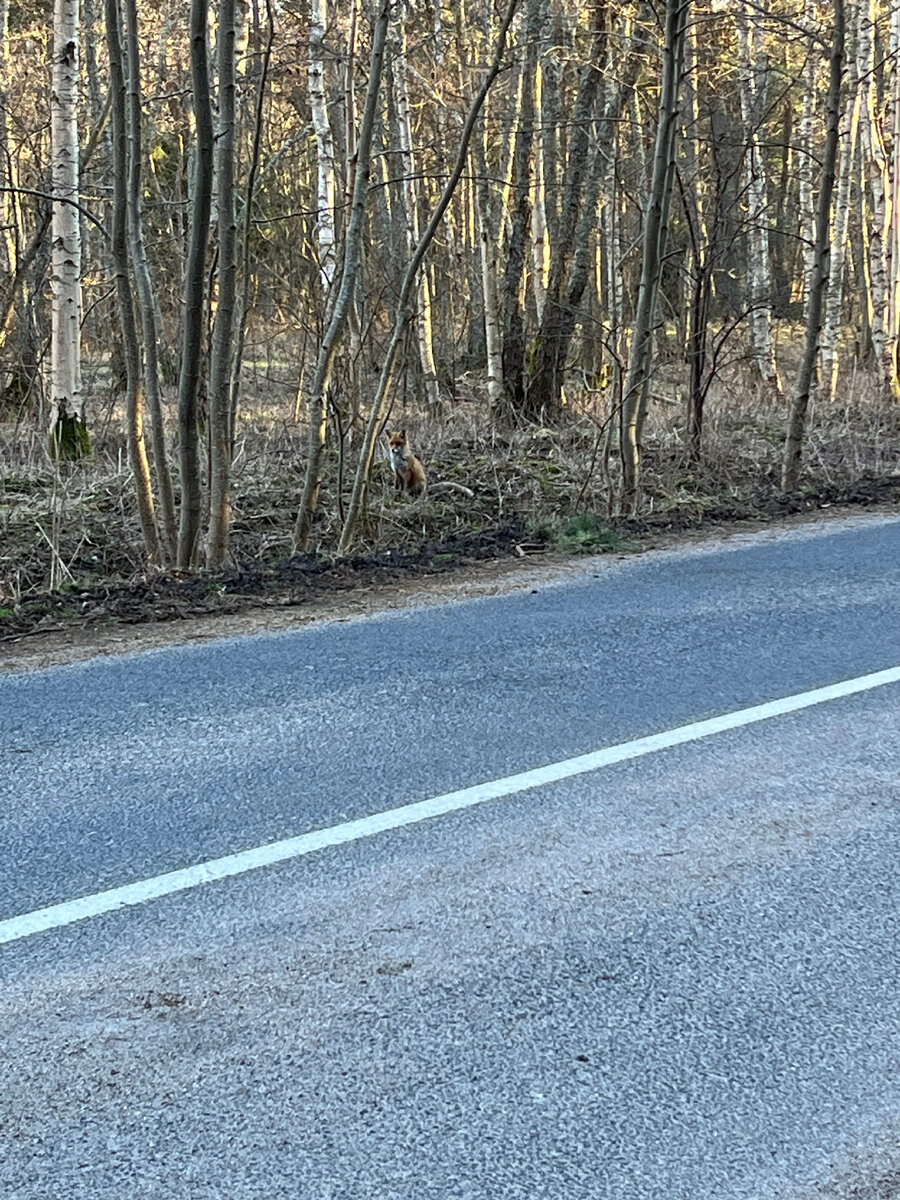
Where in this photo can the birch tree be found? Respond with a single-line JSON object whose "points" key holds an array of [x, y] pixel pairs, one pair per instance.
{"points": [[876, 212], [424, 331], [339, 313], [513, 352], [325, 191], [806, 158], [849, 136], [68, 430], [753, 77]]}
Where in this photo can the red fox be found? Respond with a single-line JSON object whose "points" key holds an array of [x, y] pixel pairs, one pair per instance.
{"points": [[409, 474]]}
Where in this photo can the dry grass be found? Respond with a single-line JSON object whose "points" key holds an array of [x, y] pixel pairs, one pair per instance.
{"points": [[75, 527]]}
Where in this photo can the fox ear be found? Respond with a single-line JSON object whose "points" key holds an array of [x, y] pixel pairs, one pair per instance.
{"points": [[403, 434]]}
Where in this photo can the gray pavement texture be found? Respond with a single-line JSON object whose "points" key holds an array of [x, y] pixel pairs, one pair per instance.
{"points": [[674, 978]]}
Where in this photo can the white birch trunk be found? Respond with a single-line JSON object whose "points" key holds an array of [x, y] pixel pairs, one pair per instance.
{"points": [[411, 207], [754, 69], [488, 247], [876, 214], [540, 244], [7, 235], [807, 156], [67, 405], [325, 191], [831, 326], [893, 323]]}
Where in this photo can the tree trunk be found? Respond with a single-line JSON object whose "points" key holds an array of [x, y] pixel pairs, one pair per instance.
{"points": [[244, 306], [168, 532], [808, 149], [220, 409], [754, 73], [486, 226], [134, 394], [513, 353], [544, 392], [68, 436], [325, 192], [829, 362], [877, 216], [656, 220], [793, 446], [318, 413], [195, 292], [411, 224]]}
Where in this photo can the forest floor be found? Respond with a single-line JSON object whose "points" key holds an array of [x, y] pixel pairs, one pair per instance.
{"points": [[72, 582]]}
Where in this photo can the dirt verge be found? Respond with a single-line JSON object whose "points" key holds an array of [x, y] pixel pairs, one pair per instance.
{"points": [[53, 628]]}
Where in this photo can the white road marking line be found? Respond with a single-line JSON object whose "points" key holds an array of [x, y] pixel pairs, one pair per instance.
{"points": [[58, 915]]}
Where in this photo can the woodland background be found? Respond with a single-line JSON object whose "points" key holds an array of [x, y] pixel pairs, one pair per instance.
{"points": [[613, 266]]}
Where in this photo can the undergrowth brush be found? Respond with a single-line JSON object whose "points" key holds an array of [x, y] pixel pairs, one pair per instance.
{"points": [[73, 528]]}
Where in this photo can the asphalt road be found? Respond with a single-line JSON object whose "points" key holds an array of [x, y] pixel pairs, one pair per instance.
{"points": [[675, 977]]}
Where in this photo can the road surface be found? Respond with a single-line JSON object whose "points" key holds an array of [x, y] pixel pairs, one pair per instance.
{"points": [[672, 976]]}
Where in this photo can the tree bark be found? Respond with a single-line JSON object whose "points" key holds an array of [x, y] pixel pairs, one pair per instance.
{"points": [[220, 408], [849, 136], [134, 394], [424, 329], [544, 391], [513, 353], [325, 192], [793, 446], [754, 73], [656, 219], [195, 292], [68, 430], [318, 413], [876, 210], [147, 303]]}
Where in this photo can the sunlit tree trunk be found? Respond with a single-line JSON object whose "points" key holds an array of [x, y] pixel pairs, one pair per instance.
{"points": [[874, 164], [806, 158], [893, 324], [195, 291], [134, 395], [7, 198], [540, 245], [655, 232], [849, 132], [352, 251], [793, 446], [487, 240], [168, 529], [68, 430], [325, 191], [754, 75], [410, 192], [226, 279]]}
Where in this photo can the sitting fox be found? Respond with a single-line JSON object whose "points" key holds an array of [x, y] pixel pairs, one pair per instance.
{"points": [[409, 474]]}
